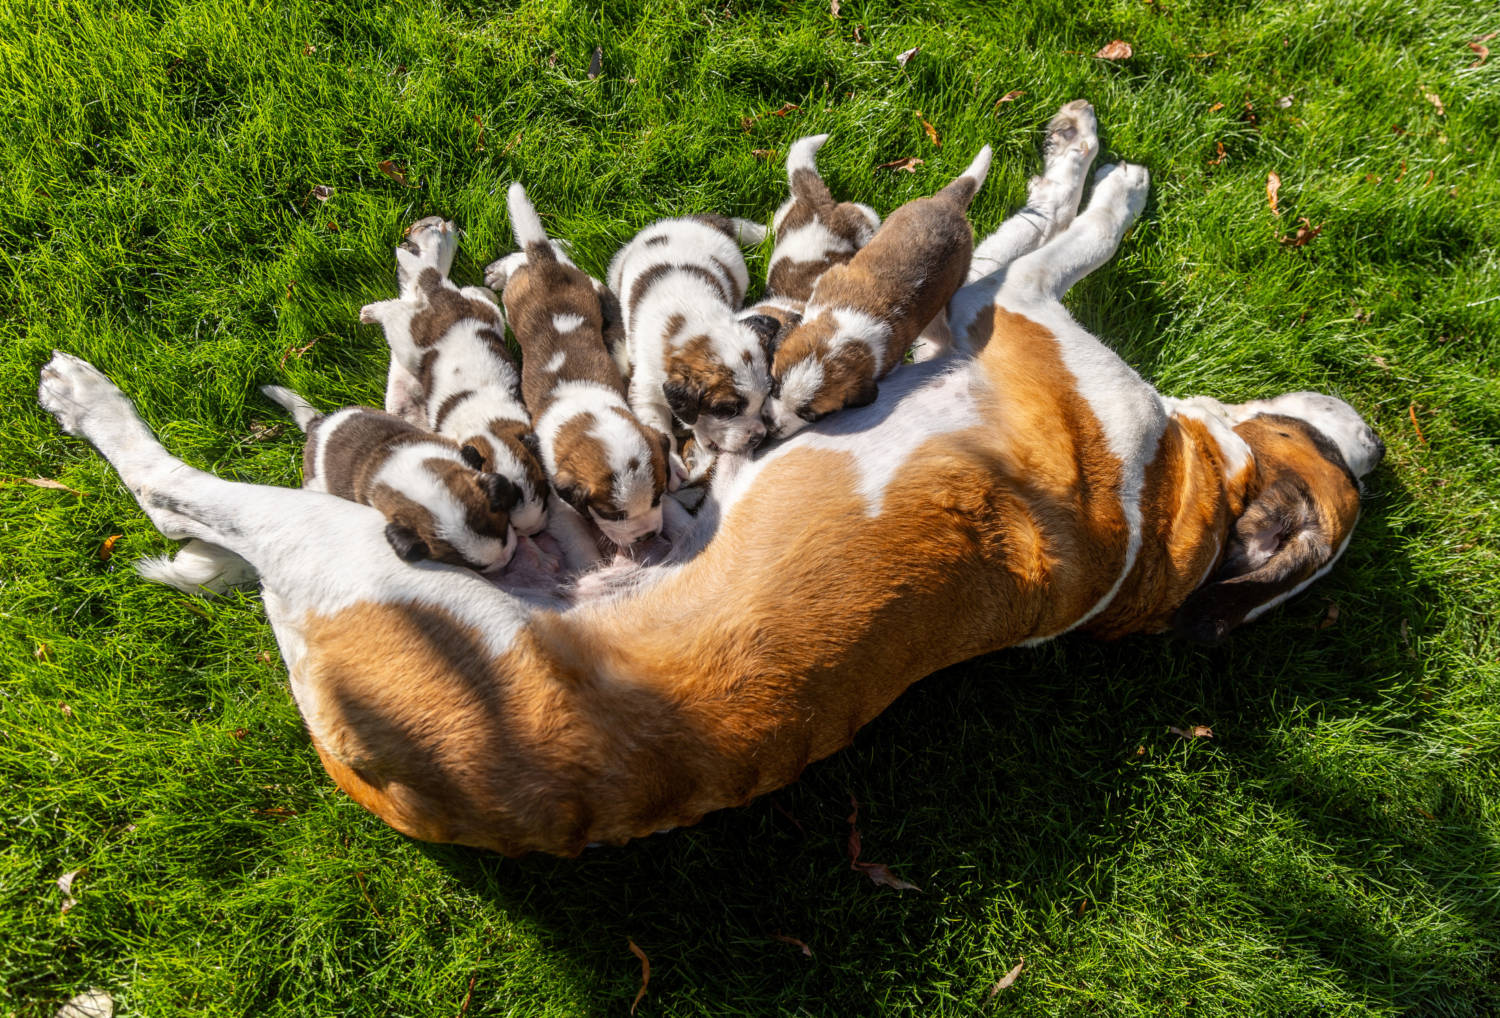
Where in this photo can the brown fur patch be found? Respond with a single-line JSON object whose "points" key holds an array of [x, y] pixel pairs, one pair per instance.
{"points": [[693, 365], [446, 307], [534, 296], [502, 432]]}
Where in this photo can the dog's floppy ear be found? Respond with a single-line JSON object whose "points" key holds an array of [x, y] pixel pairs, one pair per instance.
{"points": [[532, 444], [500, 492], [767, 330], [571, 492], [1278, 543], [472, 456], [404, 540], [684, 397], [865, 394]]}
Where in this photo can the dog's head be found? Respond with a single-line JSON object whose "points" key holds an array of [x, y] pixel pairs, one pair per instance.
{"points": [[453, 514], [1310, 452], [613, 470], [510, 448], [717, 381], [826, 363]]}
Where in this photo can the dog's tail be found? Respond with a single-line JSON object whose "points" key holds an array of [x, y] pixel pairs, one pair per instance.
{"points": [[531, 236], [199, 568], [301, 410], [802, 171], [962, 190]]}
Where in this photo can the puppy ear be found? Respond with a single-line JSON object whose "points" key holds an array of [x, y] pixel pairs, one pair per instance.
{"points": [[865, 395], [472, 456], [685, 399], [1278, 543], [767, 330], [532, 444], [572, 493], [404, 540], [665, 441], [501, 493]]}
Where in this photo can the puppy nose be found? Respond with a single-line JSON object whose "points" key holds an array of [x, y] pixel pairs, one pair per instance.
{"points": [[1379, 447], [756, 438]]}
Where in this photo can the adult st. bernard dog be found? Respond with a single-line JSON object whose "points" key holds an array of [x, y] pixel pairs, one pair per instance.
{"points": [[1025, 486]]}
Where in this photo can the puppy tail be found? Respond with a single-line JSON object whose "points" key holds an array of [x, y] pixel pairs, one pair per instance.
{"points": [[199, 568], [748, 233], [301, 410], [802, 171], [963, 189], [531, 236]]}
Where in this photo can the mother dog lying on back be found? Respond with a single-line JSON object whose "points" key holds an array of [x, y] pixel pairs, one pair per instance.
{"points": [[1028, 484]]}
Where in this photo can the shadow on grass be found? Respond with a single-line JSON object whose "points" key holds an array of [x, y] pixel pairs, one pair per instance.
{"points": [[1020, 788]]}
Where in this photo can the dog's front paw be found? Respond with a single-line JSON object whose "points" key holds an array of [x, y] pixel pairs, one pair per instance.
{"points": [[78, 394], [1073, 132]]}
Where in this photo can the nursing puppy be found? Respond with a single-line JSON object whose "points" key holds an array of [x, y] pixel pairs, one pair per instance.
{"points": [[448, 356], [602, 461], [440, 506], [680, 284], [864, 314], [813, 232]]}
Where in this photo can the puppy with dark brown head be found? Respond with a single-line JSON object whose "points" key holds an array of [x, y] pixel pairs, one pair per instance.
{"points": [[450, 342], [602, 461], [681, 283], [440, 506], [864, 314]]}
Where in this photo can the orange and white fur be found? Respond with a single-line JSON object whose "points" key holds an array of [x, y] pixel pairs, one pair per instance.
{"points": [[1034, 486]]}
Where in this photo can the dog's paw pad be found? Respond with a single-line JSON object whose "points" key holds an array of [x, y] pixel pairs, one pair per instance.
{"points": [[499, 272], [1073, 131], [71, 388]]}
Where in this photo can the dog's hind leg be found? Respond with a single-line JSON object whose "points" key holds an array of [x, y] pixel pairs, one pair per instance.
{"points": [[1051, 204], [1052, 198], [1050, 271]]}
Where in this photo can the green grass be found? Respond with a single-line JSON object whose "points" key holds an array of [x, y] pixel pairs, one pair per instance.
{"points": [[1334, 850]]}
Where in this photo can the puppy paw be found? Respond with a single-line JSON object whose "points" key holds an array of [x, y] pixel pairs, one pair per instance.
{"points": [[1072, 134], [79, 396], [499, 272], [429, 244]]}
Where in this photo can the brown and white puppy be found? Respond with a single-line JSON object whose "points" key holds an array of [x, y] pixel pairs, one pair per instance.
{"points": [[813, 232], [602, 461], [440, 506], [689, 358], [448, 357], [863, 315]]}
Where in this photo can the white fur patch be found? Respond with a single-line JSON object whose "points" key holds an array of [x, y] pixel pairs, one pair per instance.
{"points": [[566, 322], [556, 361]]}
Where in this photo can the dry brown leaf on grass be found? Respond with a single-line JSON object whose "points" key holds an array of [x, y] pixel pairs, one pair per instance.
{"points": [[47, 482], [396, 173], [909, 164], [596, 62], [1478, 46], [1220, 155], [42, 652], [67, 711], [1330, 617], [1411, 412], [905, 57], [309, 50], [1008, 97], [1305, 234], [932, 134], [479, 145], [833, 8], [645, 973], [1432, 97], [1273, 188], [107, 549], [878, 872], [1008, 980], [763, 153], [786, 109], [806, 951], [91, 1003], [65, 885], [322, 192], [1193, 732], [1117, 49]]}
